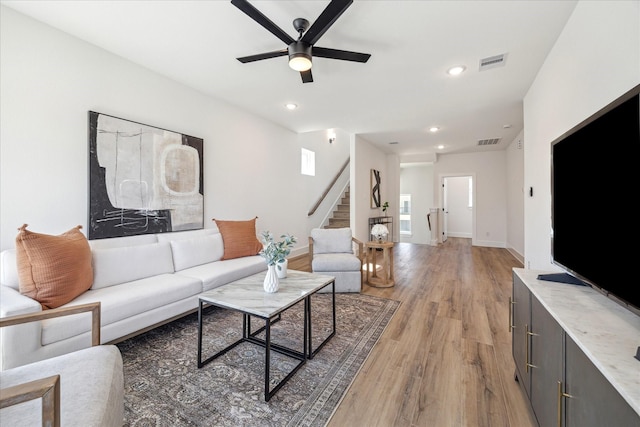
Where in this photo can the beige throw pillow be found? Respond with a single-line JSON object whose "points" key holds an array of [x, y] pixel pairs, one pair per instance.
{"points": [[53, 270]]}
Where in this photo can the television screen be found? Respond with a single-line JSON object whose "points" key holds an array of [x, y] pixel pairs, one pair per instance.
{"points": [[594, 181]]}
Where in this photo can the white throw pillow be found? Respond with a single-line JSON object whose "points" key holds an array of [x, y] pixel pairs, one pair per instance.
{"points": [[114, 266], [188, 253]]}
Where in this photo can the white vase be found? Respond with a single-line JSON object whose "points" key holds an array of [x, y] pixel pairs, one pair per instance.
{"points": [[281, 268], [271, 281]]}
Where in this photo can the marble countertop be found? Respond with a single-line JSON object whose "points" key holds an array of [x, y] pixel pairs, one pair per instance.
{"points": [[248, 294], [606, 332]]}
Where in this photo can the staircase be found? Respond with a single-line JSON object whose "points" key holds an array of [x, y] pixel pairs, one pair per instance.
{"points": [[341, 214]]}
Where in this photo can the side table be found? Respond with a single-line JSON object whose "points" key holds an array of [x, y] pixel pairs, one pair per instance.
{"points": [[385, 278]]}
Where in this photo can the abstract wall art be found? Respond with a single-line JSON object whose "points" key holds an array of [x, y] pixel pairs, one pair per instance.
{"points": [[375, 189], [142, 179]]}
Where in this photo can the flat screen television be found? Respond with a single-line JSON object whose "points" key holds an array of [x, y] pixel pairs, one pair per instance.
{"points": [[595, 178]]}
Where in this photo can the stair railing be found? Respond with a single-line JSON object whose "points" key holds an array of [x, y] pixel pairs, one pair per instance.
{"points": [[326, 191]]}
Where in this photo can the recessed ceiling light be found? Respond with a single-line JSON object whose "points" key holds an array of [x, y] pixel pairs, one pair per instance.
{"points": [[434, 129], [393, 142], [457, 70], [506, 126], [291, 106], [440, 147]]}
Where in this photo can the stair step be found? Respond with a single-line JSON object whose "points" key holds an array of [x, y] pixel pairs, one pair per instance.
{"points": [[338, 223], [343, 208], [342, 214]]}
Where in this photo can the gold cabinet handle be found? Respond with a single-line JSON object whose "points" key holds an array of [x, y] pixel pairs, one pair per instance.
{"points": [[511, 325], [526, 348], [527, 335], [561, 394], [559, 421]]}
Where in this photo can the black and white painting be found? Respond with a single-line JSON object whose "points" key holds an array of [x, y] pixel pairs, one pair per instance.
{"points": [[142, 179], [375, 189]]}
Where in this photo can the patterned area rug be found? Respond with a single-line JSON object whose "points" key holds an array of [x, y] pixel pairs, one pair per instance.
{"points": [[164, 387]]}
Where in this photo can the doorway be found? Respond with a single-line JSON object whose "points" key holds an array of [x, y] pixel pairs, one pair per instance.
{"points": [[457, 196]]}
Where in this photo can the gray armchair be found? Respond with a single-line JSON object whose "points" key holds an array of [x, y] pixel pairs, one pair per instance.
{"points": [[82, 388], [335, 252]]}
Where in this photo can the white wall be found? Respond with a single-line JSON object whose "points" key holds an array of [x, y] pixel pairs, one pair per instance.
{"points": [[417, 179], [391, 192], [368, 157], [490, 174], [50, 80], [515, 197], [595, 60]]}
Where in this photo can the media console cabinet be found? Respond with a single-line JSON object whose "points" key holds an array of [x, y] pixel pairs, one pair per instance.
{"points": [[574, 353]]}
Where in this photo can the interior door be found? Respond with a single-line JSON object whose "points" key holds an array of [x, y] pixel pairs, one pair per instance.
{"points": [[445, 209], [457, 206]]}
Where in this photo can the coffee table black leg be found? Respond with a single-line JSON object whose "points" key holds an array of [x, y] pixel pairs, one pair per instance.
{"points": [[307, 327], [306, 342], [201, 362], [312, 352], [249, 336], [200, 334], [246, 326], [333, 297], [268, 346], [267, 358]]}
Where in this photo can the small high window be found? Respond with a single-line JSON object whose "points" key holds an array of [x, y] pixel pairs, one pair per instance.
{"points": [[307, 162]]}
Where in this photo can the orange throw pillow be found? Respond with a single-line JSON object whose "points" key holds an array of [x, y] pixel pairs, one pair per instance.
{"points": [[53, 270], [239, 238]]}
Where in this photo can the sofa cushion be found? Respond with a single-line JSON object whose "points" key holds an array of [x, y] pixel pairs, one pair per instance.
{"points": [[53, 270], [220, 273], [124, 301], [200, 250], [331, 240], [114, 266], [335, 262], [239, 238]]}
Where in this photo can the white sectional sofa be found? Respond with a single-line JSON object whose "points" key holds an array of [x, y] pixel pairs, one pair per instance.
{"points": [[141, 282]]}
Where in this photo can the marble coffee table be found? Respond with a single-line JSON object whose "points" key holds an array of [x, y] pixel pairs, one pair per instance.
{"points": [[248, 297]]}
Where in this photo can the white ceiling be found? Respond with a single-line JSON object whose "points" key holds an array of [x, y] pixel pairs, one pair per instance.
{"points": [[395, 97]]}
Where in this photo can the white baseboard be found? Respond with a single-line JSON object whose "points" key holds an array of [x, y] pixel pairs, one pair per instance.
{"points": [[516, 255], [490, 244], [460, 234]]}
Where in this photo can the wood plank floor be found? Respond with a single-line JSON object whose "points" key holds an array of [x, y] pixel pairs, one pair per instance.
{"points": [[445, 358]]}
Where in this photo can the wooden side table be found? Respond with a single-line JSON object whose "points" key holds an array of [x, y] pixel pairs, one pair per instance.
{"points": [[385, 278]]}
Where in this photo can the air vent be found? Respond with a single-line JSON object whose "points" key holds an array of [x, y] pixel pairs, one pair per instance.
{"points": [[490, 141], [493, 62]]}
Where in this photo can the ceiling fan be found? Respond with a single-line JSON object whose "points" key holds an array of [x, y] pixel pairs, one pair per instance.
{"points": [[302, 50]]}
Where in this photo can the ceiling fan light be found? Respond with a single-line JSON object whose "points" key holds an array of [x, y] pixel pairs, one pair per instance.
{"points": [[300, 62], [299, 56]]}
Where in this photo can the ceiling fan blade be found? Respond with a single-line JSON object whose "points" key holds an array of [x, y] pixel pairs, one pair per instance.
{"points": [[325, 20], [306, 76], [260, 56], [345, 55], [257, 16]]}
